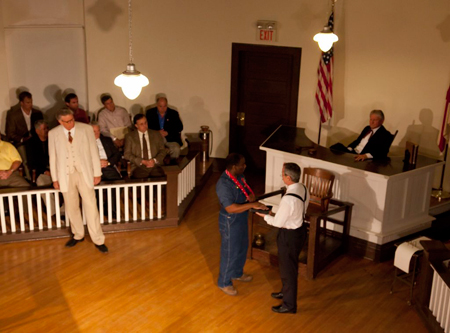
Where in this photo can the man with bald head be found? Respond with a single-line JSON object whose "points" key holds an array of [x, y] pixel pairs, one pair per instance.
{"points": [[167, 121]]}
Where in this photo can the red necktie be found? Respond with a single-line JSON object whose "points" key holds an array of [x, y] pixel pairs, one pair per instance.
{"points": [[70, 138]]}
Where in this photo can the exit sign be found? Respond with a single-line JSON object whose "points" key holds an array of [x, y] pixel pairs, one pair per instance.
{"points": [[267, 35], [266, 31]]}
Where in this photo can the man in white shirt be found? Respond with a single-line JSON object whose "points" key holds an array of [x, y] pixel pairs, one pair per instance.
{"points": [[113, 117], [291, 235]]}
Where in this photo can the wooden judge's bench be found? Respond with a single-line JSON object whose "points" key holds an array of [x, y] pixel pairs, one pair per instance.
{"points": [[390, 199]]}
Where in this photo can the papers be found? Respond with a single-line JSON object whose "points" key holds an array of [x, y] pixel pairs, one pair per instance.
{"points": [[405, 251], [272, 201], [119, 132]]}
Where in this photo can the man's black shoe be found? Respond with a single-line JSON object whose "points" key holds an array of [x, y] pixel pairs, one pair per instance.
{"points": [[102, 248], [278, 295], [72, 242], [282, 309]]}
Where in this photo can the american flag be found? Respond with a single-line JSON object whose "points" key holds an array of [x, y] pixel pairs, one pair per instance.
{"points": [[324, 92], [445, 131]]}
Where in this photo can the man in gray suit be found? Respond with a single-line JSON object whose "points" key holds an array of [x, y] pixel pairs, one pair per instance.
{"points": [[144, 149], [75, 169]]}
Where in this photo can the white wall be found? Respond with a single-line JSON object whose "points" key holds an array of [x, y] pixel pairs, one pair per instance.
{"points": [[392, 55], [184, 48]]}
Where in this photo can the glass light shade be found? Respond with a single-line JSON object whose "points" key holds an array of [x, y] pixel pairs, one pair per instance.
{"points": [[131, 84], [325, 38]]}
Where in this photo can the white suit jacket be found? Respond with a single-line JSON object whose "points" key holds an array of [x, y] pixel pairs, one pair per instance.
{"points": [[87, 151]]}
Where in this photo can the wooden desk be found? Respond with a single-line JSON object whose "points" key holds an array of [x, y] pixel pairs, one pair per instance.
{"points": [[391, 199]]}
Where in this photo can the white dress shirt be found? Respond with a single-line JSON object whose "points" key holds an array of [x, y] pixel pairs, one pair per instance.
{"points": [[27, 119], [359, 148], [108, 120], [101, 150], [292, 210], [66, 132]]}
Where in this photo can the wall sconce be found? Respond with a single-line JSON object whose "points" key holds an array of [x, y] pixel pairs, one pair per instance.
{"points": [[266, 30]]}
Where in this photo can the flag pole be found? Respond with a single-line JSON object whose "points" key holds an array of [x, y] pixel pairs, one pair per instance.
{"points": [[320, 130], [443, 137]]}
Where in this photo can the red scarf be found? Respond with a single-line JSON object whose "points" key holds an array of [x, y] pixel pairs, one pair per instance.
{"points": [[239, 185]]}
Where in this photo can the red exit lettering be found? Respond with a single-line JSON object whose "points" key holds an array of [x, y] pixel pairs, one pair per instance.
{"points": [[266, 35]]}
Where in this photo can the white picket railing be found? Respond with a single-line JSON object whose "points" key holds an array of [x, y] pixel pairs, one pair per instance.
{"points": [[440, 301], [28, 205], [186, 181], [120, 202]]}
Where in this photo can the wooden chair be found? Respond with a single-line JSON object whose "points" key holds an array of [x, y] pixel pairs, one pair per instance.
{"points": [[393, 137], [319, 182]]}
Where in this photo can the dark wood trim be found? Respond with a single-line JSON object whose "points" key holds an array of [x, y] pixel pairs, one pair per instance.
{"points": [[237, 48], [378, 253], [172, 191]]}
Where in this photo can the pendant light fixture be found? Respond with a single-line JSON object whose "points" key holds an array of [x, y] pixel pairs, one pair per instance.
{"points": [[326, 37], [131, 81]]}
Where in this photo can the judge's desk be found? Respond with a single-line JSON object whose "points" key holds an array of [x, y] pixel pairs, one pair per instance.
{"points": [[391, 198]]}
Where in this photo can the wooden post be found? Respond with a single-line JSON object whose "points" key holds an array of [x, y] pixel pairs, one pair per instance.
{"points": [[172, 172]]}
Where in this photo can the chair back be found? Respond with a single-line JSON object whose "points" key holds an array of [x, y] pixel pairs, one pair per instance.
{"points": [[393, 137], [319, 182]]}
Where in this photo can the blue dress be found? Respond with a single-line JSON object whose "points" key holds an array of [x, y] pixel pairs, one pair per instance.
{"points": [[233, 230]]}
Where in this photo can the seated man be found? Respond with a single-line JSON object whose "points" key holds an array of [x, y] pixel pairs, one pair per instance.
{"points": [[168, 123], [373, 142], [38, 160], [19, 124], [37, 152], [79, 115], [144, 149], [112, 117], [109, 154], [10, 161]]}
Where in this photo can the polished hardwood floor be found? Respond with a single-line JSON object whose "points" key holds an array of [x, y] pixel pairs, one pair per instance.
{"points": [[164, 280]]}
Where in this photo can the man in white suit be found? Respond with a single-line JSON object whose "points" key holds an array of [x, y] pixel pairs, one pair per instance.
{"points": [[75, 169]]}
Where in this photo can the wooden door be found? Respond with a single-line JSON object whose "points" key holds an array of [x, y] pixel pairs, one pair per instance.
{"points": [[264, 95]]}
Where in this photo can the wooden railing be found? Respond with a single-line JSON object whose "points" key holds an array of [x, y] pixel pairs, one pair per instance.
{"points": [[433, 297], [34, 213]]}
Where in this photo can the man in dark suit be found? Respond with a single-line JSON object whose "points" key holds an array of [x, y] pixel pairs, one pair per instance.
{"points": [[20, 125], [144, 149], [109, 154], [37, 152], [373, 142], [167, 121], [38, 160]]}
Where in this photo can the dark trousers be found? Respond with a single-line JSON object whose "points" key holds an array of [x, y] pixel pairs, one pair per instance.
{"points": [[341, 148], [144, 172], [290, 243], [110, 173]]}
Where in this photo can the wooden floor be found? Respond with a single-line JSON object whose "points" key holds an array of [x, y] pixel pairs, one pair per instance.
{"points": [[165, 281]]}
